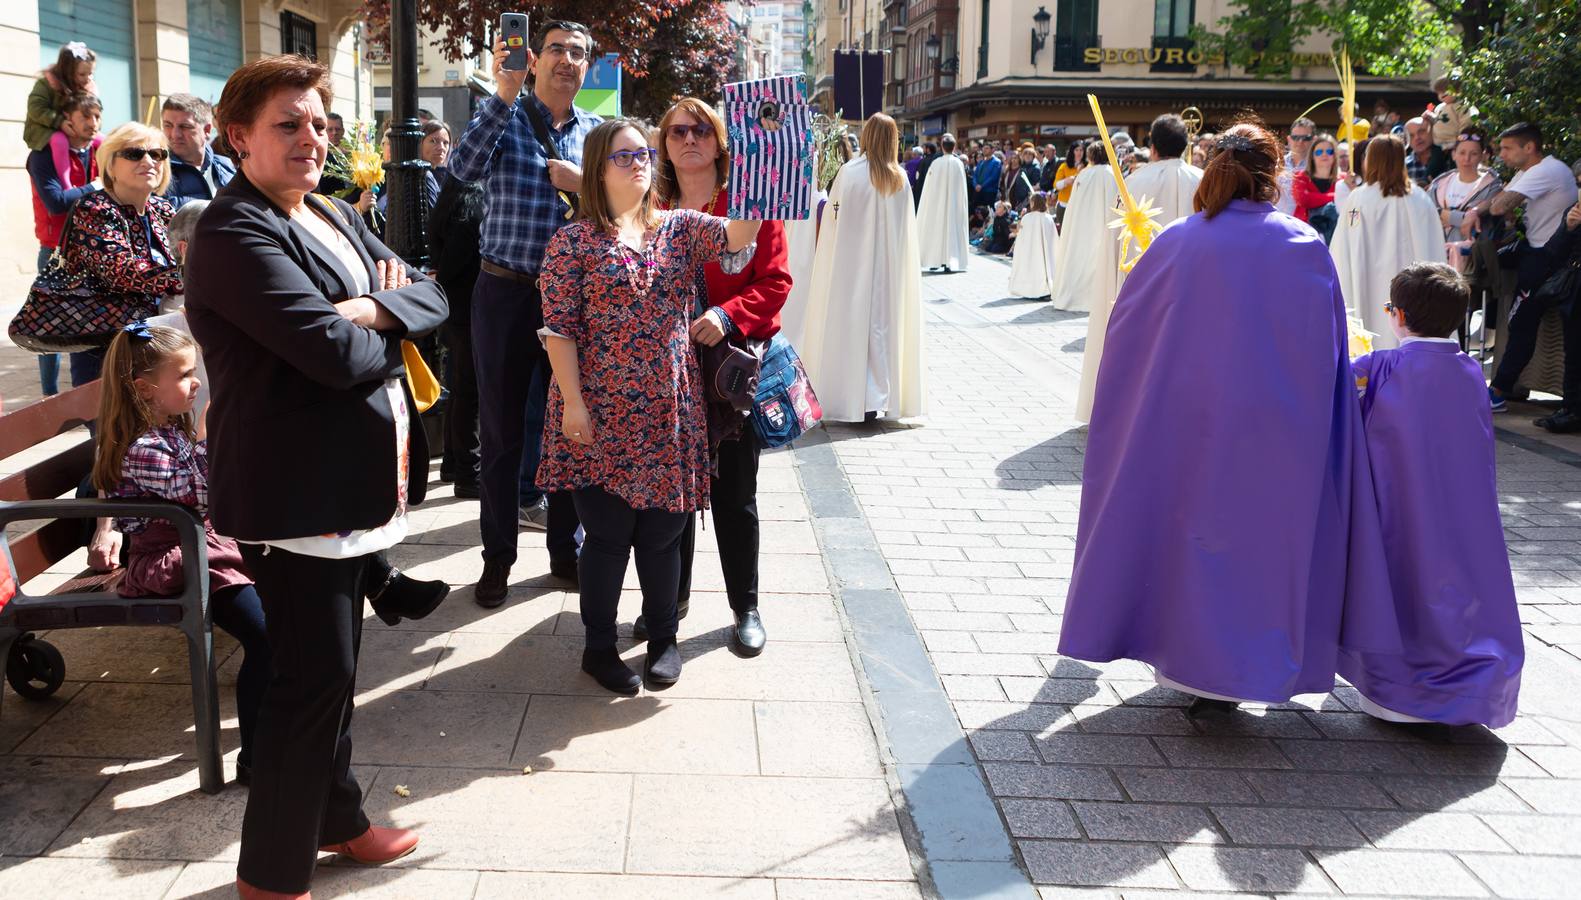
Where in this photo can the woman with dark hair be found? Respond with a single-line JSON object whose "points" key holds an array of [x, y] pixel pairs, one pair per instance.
{"points": [[1065, 177], [1234, 563], [301, 312], [694, 170], [1386, 224], [435, 149], [625, 431], [1467, 185]]}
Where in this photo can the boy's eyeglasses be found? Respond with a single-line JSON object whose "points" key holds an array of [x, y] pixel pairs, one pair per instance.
{"points": [[702, 131], [136, 154], [624, 158], [1388, 307]]}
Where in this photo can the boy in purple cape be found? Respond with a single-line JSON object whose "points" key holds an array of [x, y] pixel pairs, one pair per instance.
{"points": [[1229, 535], [1430, 439]]}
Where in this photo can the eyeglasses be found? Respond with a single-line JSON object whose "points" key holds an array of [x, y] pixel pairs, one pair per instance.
{"points": [[1321, 152], [702, 131], [1388, 307], [574, 54], [1301, 138], [136, 154], [624, 158]]}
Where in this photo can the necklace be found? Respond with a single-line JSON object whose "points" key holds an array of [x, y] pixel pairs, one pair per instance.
{"points": [[639, 266]]}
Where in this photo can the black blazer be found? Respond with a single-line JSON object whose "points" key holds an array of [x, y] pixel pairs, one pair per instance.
{"points": [[301, 433]]}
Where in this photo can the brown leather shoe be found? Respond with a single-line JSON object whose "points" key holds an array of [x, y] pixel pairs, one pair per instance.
{"points": [[248, 892], [376, 846]]}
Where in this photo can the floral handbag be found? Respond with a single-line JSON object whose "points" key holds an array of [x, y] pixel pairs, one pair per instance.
{"points": [[70, 309]]}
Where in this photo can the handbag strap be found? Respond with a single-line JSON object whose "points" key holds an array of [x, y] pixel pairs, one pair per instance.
{"points": [[540, 130]]}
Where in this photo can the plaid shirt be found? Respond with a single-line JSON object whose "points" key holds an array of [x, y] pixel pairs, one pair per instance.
{"points": [[164, 464], [523, 208]]}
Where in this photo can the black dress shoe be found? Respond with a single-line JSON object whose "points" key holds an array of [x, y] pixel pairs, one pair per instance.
{"points": [[664, 662], [244, 773], [492, 588], [467, 490], [610, 671], [564, 568], [401, 596], [1562, 422], [639, 628], [748, 636], [1207, 705]]}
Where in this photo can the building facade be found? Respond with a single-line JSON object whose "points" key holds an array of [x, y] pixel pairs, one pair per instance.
{"points": [[1021, 70], [147, 50]]}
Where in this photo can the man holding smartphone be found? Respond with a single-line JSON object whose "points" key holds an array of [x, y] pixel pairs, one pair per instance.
{"points": [[528, 150]]}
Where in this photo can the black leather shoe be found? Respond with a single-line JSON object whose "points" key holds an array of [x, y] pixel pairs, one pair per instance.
{"points": [[610, 671], [639, 628], [1207, 705], [492, 588], [244, 773], [748, 636], [403, 597], [1562, 422], [664, 662], [564, 568], [467, 490]]}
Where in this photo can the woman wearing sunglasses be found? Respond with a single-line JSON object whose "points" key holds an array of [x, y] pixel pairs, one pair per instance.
{"points": [[119, 234], [1314, 187], [626, 431]]}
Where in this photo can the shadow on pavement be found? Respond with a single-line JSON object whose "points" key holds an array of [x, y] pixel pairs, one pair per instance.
{"points": [[1056, 461]]}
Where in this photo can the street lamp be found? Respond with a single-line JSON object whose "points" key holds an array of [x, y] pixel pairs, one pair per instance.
{"points": [[931, 45], [405, 228], [1040, 32]]}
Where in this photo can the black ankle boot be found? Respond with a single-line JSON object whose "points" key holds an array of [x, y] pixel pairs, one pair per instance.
{"points": [[400, 596], [639, 628], [609, 671], [664, 662]]}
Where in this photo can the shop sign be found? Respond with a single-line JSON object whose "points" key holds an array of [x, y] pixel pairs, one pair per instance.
{"points": [[1174, 56]]}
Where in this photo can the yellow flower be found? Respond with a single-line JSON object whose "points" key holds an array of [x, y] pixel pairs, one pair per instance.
{"points": [[367, 167], [1139, 227], [1360, 343]]}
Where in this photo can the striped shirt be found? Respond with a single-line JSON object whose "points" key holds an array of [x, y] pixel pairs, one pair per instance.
{"points": [[523, 208]]}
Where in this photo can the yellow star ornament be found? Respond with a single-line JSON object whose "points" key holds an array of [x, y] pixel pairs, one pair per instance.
{"points": [[1136, 219]]}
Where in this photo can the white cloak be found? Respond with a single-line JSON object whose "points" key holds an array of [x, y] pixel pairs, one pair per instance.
{"points": [[1377, 236], [1033, 263], [1089, 248], [862, 344], [801, 239], [942, 221], [1170, 183]]}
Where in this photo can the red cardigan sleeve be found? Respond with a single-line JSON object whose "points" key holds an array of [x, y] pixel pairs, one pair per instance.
{"points": [[1308, 197], [753, 299]]}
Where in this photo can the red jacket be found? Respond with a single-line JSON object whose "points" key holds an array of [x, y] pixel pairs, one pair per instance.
{"points": [[754, 298], [1307, 195]]}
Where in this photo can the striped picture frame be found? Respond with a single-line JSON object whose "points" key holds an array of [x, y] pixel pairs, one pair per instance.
{"points": [[770, 138]]}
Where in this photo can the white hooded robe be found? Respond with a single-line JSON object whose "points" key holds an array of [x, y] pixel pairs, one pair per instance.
{"points": [[1033, 264], [1378, 236], [942, 222]]}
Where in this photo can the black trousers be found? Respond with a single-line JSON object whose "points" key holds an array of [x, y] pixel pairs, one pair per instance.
{"points": [[1532, 268], [506, 316], [734, 498], [303, 794], [461, 409], [613, 532]]}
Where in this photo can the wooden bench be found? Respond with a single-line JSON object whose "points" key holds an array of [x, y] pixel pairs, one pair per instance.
{"points": [[33, 667]]}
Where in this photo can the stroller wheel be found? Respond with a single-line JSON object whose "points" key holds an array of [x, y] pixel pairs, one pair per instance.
{"points": [[35, 669]]}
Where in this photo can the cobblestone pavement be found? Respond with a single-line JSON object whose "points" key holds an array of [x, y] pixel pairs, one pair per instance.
{"points": [[1102, 780]]}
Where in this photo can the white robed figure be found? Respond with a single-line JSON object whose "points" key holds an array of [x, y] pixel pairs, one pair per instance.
{"points": [[942, 217], [801, 244], [1033, 260], [1089, 248], [1170, 184], [1384, 226], [863, 341]]}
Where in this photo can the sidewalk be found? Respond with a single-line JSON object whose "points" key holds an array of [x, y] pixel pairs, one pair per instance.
{"points": [[757, 779], [1101, 778]]}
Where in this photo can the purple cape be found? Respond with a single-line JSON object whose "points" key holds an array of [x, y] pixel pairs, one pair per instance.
{"points": [[1229, 535], [1430, 439]]}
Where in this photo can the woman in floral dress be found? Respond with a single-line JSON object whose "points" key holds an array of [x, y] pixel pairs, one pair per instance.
{"points": [[626, 431]]}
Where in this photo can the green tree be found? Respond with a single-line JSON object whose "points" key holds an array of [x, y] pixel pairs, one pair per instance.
{"points": [[1528, 69], [1390, 38], [666, 47]]}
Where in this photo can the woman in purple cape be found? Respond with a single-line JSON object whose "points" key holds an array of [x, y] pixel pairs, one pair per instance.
{"points": [[1229, 536]]}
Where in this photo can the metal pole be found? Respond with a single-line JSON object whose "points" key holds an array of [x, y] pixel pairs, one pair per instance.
{"points": [[405, 229]]}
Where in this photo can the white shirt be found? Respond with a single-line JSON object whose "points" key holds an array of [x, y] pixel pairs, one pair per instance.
{"points": [[1413, 339], [1550, 191], [1457, 192]]}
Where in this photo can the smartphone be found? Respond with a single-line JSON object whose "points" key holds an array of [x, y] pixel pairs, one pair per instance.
{"points": [[513, 30]]}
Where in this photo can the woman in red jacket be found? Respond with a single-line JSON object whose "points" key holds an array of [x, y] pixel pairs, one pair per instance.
{"points": [[694, 166], [1314, 186]]}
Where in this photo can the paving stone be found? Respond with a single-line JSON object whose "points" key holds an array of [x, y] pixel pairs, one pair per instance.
{"points": [[1396, 872], [1057, 690], [562, 886], [1222, 753], [419, 727], [1008, 746], [1347, 756], [1256, 723], [1040, 818], [212, 881], [1430, 831], [20, 718], [157, 813], [1526, 876], [1544, 795], [797, 889], [1033, 717], [1308, 789], [1553, 835], [1104, 864], [638, 734], [87, 879], [1248, 869], [1284, 826], [1442, 759], [973, 687], [1062, 782], [1153, 822], [40, 796], [1131, 720], [1470, 794], [94, 723], [813, 739], [1184, 786], [1097, 749], [986, 664]]}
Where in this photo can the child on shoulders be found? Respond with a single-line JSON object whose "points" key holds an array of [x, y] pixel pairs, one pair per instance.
{"points": [[150, 448], [1430, 440], [71, 74]]}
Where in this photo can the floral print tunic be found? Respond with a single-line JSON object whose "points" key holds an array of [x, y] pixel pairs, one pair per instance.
{"points": [[628, 312]]}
